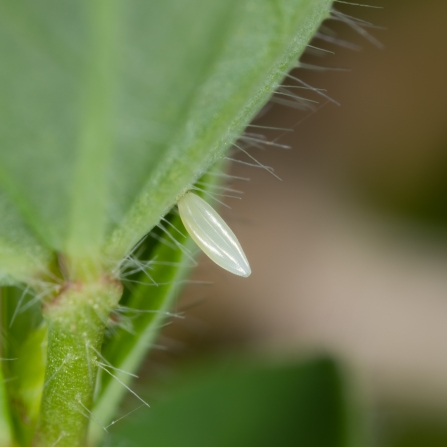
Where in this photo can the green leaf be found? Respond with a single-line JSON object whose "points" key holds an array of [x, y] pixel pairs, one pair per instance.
{"points": [[21, 254], [6, 431], [411, 425], [24, 342], [253, 46], [302, 404], [421, 436], [110, 108]]}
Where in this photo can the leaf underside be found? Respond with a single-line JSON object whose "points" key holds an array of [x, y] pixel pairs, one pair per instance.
{"points": [[111, 108]]}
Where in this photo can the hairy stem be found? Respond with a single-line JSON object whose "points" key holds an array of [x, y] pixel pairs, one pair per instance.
{"points": [[76, 324]]}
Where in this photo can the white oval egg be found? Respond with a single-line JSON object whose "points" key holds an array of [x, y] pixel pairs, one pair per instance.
{"points": [[212, 234]]}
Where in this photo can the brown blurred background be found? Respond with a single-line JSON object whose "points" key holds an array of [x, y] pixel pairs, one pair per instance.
{"points": [[349, 251]]}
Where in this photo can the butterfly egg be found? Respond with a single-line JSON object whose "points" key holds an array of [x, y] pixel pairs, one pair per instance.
{"points": [[212, 234]]}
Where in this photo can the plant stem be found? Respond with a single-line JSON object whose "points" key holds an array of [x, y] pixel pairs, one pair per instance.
{"points": [[76, 323]]}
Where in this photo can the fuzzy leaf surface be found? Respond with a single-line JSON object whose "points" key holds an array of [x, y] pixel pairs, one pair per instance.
{"points": [[110, 108]]}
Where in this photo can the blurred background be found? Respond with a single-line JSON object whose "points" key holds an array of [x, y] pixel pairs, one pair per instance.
{"points": [[349, 250]]}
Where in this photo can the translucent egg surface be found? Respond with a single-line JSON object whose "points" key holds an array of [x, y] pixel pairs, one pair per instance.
{"points": [[212, 234]]}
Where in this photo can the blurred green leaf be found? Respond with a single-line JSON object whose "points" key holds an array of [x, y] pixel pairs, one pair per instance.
{"points": [[110, 108], [301, 404], [422, 437], [6, 428], [24, 343], [21, 255], [408, 426]]}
